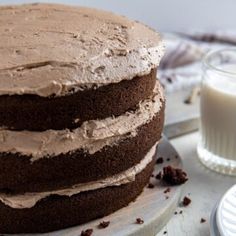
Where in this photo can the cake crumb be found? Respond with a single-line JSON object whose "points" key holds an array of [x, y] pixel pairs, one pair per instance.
{"points": [[150, 185], [169, 79], [176, 213], [186, 201], [159, 176], [159, 160], [181, 212], [167, 190], [202, 220], [103, 224], [139, 221], [87, 232], [174, 176]]}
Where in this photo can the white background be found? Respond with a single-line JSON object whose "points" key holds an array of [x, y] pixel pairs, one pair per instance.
{"points": [[167, 15]]}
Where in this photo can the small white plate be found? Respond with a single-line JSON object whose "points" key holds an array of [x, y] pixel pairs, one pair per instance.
{"points": [[226, 213], [213, 226]]}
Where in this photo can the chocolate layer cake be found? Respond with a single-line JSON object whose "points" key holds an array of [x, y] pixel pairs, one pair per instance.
{"points": [[81, 114]]}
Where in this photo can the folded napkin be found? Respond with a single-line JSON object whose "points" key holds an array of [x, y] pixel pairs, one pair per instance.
{"points": [[181, 66]]}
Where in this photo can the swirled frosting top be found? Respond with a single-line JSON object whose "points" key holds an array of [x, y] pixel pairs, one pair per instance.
{"points": [[50, 49]]}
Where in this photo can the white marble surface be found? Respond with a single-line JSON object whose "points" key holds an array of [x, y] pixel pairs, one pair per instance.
{"points": [[205, 188]]}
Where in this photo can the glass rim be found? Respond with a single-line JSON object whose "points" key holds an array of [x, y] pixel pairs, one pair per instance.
{"points": [[211, 53]]}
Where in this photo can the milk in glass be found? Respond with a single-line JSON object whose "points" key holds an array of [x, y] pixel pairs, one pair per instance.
{"points": [[217, 147]]}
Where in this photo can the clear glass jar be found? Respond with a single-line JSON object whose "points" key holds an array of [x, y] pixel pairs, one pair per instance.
{"points": [[217, 146]]}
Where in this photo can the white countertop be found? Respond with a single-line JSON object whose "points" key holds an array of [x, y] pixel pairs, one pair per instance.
{"points": [[205, 188]]}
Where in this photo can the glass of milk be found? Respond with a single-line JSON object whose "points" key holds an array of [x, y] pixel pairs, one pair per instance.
{"points": [[217, 146]]}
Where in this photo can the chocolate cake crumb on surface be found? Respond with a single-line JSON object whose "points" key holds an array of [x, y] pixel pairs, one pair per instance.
{"points": [[167, 190], [150, 185], [103, 224], [160, 160], [159, 176], [174, 176], [202, 220], [139, 221], [87, 232], [186, 201]]}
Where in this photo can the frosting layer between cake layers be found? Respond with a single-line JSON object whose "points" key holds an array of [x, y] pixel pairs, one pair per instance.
{"points": [[92, 136], [28, 200], [51, 55]]}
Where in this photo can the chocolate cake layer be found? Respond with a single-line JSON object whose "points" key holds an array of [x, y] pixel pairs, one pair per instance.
{"points": [[19, 174], [32, 112], [57, 212]]}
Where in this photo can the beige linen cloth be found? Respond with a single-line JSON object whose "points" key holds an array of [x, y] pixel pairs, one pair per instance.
{"points": [[181, 66]]}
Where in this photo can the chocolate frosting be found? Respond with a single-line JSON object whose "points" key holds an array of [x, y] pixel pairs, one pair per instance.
{"points": [[49, 49]]}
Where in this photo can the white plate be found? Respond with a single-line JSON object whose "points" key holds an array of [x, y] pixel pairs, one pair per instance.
{"points": [[226, 213], [213, 226]]}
